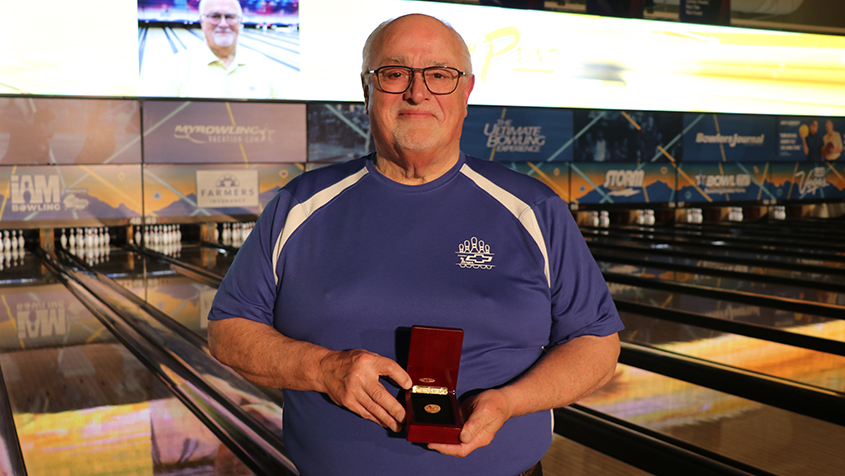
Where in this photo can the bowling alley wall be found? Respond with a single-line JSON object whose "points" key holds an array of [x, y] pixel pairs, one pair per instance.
{"points": [[608, 112], [120, 161]]}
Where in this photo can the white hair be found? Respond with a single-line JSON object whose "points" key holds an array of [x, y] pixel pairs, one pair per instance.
{"points": [[203, 3], [375, 37]]}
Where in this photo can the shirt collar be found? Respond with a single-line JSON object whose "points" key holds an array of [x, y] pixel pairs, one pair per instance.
{"points": [[210, 57]]}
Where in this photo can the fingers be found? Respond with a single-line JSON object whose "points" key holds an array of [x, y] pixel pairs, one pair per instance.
{"points": [[351, 379], [487, 411], [395, 372]]}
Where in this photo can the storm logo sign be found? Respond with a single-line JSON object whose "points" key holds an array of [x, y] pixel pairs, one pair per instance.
{"points": [[35, 193], [623, 182]]}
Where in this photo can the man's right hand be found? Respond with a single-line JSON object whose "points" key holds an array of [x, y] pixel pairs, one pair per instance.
{"points": [[351, 379]]}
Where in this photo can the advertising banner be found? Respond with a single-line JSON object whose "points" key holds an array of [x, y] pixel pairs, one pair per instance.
{"points": [[553, 174], [338, 132], [627, 136], [69, 131], [622, 183], [187, 132], [810, 139], [69, 192], [730, 138], [203, 190], [804, 181], [716, 183], [511, 134]]}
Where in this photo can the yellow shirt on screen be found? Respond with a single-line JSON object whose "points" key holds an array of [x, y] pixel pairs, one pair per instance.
{"points": [[198, 72]]}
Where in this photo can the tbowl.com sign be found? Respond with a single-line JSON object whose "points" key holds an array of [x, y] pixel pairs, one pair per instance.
{"points": [[517, 134]]}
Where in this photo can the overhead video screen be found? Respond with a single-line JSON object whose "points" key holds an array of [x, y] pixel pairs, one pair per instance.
{"points": [[550, 59], [311, 50], [219, 48]]}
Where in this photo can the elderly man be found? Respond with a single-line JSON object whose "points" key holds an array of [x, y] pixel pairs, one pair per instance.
{"points": [[347, 256], [219, 68]]}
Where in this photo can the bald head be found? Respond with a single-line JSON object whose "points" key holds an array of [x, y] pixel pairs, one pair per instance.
{"points": [[204, 6], [395, 26]]}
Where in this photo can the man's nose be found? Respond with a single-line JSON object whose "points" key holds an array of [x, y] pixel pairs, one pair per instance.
{"points": [[418, 91]]}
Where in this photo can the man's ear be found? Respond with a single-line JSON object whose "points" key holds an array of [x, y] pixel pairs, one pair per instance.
{"points": [[470, 85], [366, 94]]}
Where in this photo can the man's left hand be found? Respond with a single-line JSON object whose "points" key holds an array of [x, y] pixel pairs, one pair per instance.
{"points": [[487, 411]]}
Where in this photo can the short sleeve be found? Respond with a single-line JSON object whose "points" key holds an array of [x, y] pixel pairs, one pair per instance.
{"points": [[581, 302], [249, 288]]}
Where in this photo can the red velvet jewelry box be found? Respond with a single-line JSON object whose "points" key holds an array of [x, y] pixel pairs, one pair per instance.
{"points": [[431, 406]]}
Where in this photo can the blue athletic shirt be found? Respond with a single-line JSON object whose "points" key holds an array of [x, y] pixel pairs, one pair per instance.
{"points": [[346, 258]]}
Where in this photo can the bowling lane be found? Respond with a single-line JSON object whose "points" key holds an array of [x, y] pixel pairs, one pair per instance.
{"points": [[770, 358], [818, 279], [719, 253], [183, 298], [566, 457], [216, 260], [665, 273], [82, 403], [799, 323], [768, 438], [829, 231], [801, 249]]}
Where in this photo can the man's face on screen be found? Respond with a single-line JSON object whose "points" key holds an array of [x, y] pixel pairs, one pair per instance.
{"points": [[225, 32]]}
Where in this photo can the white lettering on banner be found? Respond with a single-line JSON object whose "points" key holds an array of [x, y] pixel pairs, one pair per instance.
{"points": [[623, 182], [217, 134], [505, 137], [723, 184], [811, 182], [41, 319], [227, 188], [624, 178], [733, 141], [44, 193], [715, 181]]}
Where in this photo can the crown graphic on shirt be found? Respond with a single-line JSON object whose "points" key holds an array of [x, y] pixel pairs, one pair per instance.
{"points": [[474, 254]]}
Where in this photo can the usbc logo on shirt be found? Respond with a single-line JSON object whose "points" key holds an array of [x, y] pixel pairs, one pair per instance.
{"points": [[475, 254], [227, 188]]}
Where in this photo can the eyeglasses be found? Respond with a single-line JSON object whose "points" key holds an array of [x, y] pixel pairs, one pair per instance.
{"points": [[397, 79], [215, 18]]}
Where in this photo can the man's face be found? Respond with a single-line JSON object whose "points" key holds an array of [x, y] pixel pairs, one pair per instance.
{"points": [[814, 127], [828, 126], [416, 120], [225, 33]]}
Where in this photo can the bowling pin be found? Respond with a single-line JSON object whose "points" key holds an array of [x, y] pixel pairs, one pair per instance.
{"points": [[604, 219], [63, 239]]}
